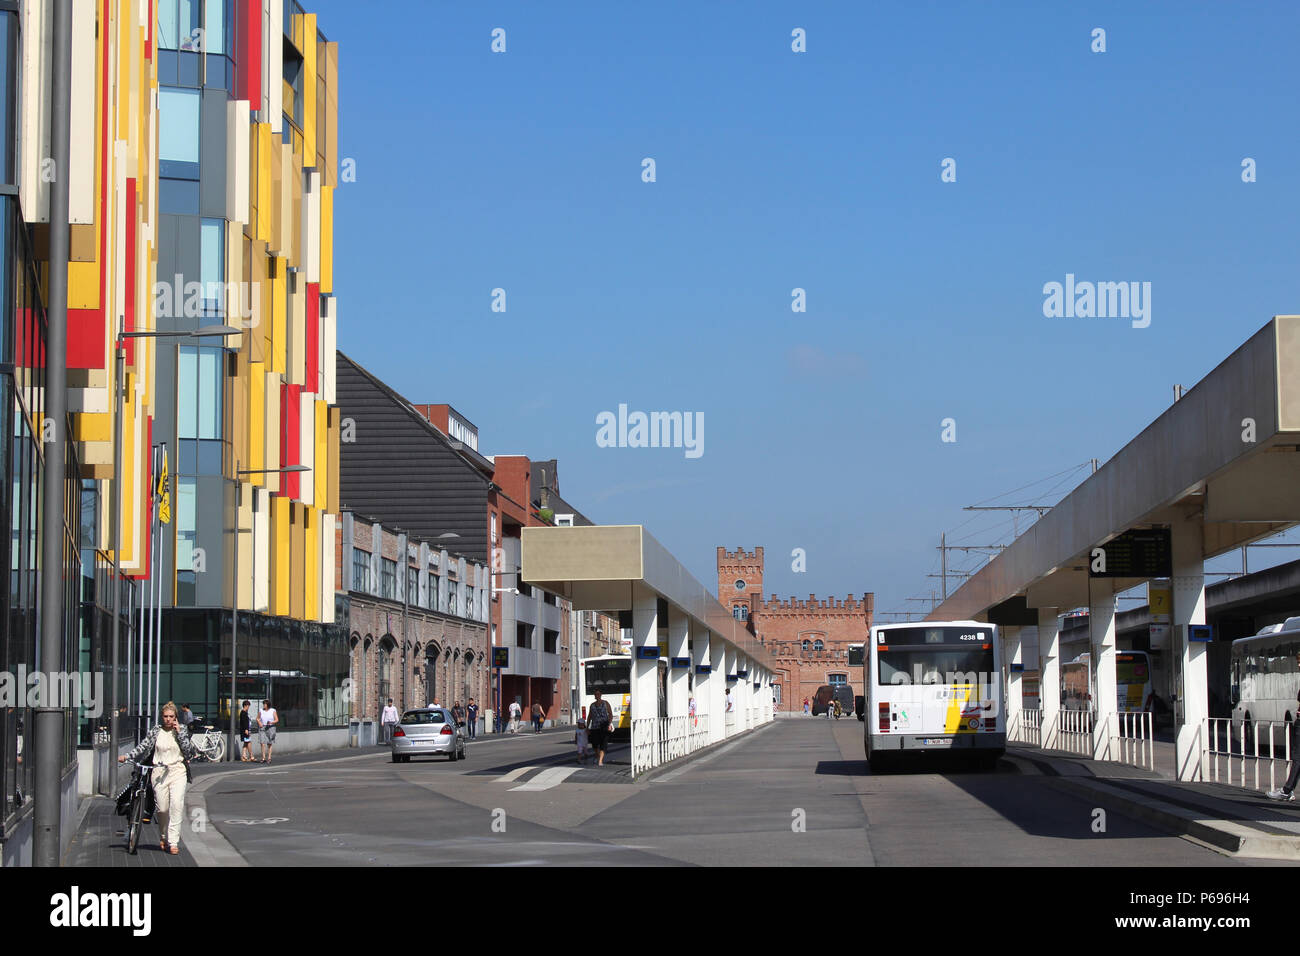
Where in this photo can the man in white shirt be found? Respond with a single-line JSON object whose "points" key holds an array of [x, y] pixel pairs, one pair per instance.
{"points": [[267, 718], [389, 720], [515, 712]]}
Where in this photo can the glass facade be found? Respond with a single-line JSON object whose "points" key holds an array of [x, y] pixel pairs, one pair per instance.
{"points": [[300, 666]]}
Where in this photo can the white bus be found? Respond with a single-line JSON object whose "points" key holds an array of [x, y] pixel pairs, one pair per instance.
{"points": [[933, 687], [1265, 677], [611, 674]]}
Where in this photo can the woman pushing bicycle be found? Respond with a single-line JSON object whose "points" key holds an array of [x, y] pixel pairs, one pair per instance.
{"points": [[171, 751]]}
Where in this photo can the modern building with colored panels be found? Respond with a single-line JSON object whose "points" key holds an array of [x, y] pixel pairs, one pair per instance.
{"points": [[204, 160]]}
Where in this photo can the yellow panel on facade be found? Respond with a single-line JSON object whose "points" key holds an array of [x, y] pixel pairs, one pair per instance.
{"points": [[266, 154], [256, 420], [309, 90], [92, 427], [279, 314], [311, 566], [327, 240], [277, 241], [331, 118], [320, 474], [239, 404], [271, 434], [280, 556]]}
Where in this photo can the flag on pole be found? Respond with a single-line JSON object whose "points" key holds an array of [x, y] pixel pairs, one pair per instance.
{"points": [[164, 505]]}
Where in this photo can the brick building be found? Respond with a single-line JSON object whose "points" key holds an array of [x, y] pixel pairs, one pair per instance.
{"points": [[809, 639], [415, 636]]}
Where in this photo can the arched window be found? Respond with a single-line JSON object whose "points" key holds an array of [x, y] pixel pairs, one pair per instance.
{"points": [[818, 646], [740, 612], [805, 645]]}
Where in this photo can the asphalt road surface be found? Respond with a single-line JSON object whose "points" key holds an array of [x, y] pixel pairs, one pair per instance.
{"points": [[794, 793]]}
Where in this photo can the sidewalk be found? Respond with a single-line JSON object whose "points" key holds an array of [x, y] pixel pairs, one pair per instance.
{"points": [[101, 841], [1232, 820]]}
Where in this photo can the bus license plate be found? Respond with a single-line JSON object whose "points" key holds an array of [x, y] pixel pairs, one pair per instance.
{"points": [[934, 741]]}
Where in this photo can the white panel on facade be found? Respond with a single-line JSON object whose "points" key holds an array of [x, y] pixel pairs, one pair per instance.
{"points": [[34, 134], [309, 254], [329, 344], [273, 47], [237, 132], [295, 358], [262, 550], [81, 177], [307, 446], [327, 556], [117, 249]]}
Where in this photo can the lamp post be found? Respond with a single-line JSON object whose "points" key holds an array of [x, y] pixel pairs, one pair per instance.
{"points": [[115, 510], [234, 603]]}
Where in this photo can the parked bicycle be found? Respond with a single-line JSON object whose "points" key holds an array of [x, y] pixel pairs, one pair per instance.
{"points": [[210, 744]]}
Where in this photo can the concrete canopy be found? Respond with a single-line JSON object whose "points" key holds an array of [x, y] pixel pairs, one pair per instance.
{"points": [[600, 568], [1228, 452]]}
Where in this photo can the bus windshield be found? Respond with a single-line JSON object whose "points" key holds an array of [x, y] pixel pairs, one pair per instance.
{"points": [[938, 665], [609, 677]]}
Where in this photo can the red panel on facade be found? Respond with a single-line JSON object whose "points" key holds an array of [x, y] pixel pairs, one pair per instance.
{"points": [[248, 48], [289, 437], [86, 335], [148, 34], [313, 336]]}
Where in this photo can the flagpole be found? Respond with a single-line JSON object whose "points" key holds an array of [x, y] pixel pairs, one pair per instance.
{"points": [[164, 515], [148, 686]]}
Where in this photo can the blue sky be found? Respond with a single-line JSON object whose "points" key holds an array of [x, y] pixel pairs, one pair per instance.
{"points": [[819, 170]]}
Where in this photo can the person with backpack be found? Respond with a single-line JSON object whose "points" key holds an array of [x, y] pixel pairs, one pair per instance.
{"points": [[600, 719], [515, 712]]}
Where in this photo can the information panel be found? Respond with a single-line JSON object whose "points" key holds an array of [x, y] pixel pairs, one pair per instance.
{"points": [[1134, 554]]}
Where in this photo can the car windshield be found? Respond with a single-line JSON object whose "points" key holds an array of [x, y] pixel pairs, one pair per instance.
{"points": [[424, 717]]}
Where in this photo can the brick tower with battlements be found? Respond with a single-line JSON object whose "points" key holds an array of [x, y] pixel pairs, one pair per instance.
{"points": [[809, 639]]}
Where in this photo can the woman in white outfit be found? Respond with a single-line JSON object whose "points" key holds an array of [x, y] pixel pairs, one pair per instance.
{"points": [[170, 751]]}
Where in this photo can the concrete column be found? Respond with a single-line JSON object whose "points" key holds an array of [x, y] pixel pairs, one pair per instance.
{"points": [[1190, 683], [1049, 673], [1011, 654], [703, 682], [743, 690], [679, 631], [717, 688], [729, 657], [645, 673], [1101, 641]]}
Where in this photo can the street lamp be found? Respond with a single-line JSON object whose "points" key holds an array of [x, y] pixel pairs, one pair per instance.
{"points": [[234, 604], [115, 519]]}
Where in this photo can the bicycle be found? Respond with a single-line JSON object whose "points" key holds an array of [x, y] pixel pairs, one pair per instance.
{"points": [[140, 784], [211, 746]]}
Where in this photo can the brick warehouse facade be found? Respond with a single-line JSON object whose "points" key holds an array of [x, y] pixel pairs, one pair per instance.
{"points": [[808, 639]]}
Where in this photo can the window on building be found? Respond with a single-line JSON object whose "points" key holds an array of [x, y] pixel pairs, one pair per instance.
{"points": [[806, 645], [412, 586], [740, 612], [360, 570], [185, 537], [432, 603], [818, 646], [836, 679], [388, 579], [199, 386]]}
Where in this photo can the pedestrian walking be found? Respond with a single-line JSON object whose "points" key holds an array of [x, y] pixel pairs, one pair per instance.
{"points": [[806, 710], [169, 749], [245, 734], [580, 739], [187, 718], [471, 715], [1286, 792], [458, 714], [600, 718], [515, 712], [388, 720], [267, 719], [539, 716]]}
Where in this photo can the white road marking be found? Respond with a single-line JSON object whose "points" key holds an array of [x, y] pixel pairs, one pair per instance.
{"points": [[513, 775], [547, 779]]}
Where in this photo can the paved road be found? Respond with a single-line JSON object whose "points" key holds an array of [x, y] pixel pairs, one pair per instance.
{"points": [[796, 792]]}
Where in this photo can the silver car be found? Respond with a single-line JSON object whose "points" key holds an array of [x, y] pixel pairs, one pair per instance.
{"points": [[428, 730]]}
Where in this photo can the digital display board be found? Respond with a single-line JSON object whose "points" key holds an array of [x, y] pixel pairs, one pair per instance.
{"points": [[1134, 554]]}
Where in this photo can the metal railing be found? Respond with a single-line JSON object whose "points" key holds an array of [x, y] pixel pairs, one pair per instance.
{"points": [[1254, 755], [1136, 741], [658, 740], [1074, 732], [1027, 727], [729, 725]]}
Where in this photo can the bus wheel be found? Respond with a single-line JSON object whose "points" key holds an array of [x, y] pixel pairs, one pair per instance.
{"points": [[877, 762]]}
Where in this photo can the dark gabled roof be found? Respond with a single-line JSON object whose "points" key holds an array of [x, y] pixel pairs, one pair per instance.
{"points": [[550, 468]]}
